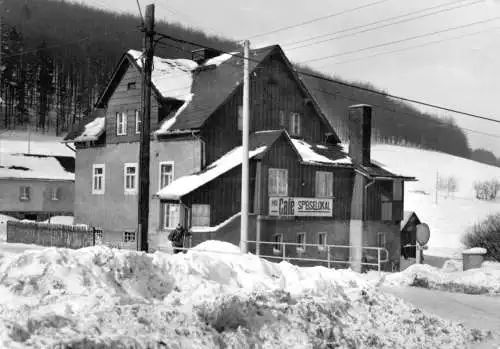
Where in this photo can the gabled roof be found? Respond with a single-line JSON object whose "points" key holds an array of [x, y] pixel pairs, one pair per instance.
{"points": [[376, 171], [25, 166], [406, 218], [202, 88]]}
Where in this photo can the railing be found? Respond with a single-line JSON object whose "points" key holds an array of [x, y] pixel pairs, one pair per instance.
{"points": [[281, 253]]}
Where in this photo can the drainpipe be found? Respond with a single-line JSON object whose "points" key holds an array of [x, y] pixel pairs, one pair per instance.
{"points": [[365, 203]]}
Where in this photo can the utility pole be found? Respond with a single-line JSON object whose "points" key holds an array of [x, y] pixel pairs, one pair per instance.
{"points": [[244, 164], [144, 146]]}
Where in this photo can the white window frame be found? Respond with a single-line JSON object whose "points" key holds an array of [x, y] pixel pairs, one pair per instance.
{"points": [[323, 185], [165, 213], [278, 243], [160, 175], [121, 123], [302, 247], [25, 194], [194, 208], [102, 190], [281, 188], [138, 121], [130, 191], [322, 246], [295, 124], [55, 194], [129, 237]]}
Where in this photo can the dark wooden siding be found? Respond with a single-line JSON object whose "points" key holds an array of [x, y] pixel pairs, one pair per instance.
{"points": [[302, 178], [375, 194], [273, 89], [124, 100], [223, 195]]}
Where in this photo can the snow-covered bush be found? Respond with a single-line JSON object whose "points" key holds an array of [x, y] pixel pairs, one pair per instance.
{"points": [[485, 234], [487, 190]]}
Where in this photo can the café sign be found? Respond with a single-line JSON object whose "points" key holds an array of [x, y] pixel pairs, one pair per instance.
{"points": [[300, 207]]}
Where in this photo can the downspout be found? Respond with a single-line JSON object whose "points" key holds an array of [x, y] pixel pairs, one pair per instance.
{"points": [[365, 203]]}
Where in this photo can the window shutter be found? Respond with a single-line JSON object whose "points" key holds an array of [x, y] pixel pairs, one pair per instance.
{"points": [[28, 194], [20, 193], [272, 186]]}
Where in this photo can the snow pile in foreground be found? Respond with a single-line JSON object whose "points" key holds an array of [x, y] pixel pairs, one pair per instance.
{"points": [[450, 277], [107, 297]]}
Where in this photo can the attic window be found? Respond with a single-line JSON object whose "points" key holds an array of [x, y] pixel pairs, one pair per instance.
{"points": [[131, 85]]}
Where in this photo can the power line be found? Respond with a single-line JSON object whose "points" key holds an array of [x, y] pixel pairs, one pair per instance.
{"points": [[402, 40], [413, 47], [317, 19], [384, 25], [338, 82]]}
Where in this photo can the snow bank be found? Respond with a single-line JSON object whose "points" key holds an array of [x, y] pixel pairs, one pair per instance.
{"points": [[450, 277], [106, 297], [65, 220]]}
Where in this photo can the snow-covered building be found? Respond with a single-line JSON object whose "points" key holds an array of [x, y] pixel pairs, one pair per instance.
{"points": [[304, 187], [36, 186]]}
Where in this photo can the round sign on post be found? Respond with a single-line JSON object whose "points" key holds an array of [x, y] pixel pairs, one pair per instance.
{"points": [[423, 234]]}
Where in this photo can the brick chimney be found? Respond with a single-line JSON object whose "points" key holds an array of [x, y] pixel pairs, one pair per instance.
{"points": [[360, 129], [204, 54]]}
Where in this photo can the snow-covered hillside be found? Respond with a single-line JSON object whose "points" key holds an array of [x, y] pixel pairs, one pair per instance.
{"points": [[451, 216]]}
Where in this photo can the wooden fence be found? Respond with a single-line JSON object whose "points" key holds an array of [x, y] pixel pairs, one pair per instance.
{"points": [[45, 234]]}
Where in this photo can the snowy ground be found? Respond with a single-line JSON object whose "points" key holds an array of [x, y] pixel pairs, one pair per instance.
{"points": [[450, 217], [203, 300]]}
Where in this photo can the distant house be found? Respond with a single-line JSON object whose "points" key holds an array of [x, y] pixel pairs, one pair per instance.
{"points": [[409, 234], [304, 187], [36, 187]]}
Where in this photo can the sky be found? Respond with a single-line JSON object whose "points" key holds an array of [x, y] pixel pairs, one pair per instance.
{"points": [[455, 67]]}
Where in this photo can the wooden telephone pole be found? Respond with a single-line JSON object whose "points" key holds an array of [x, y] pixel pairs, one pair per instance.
{"points": [[144, 146], [245, 161]]}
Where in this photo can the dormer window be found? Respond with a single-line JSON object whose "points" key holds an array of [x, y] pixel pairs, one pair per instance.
{"points": [[131, 85]]}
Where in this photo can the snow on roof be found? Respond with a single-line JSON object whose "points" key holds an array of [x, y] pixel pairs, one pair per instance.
{"points": [[167, 124], [308, 154], [32, 167], [220, 59], [184, 185], [406, 217], [92, 131], [49, 148], [172, 77]]}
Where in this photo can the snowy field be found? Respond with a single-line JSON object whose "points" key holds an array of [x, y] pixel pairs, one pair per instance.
{"points": [[450, 217], [102, 296]]}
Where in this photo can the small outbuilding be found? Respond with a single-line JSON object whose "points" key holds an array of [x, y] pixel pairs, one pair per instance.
{"points": [[409, 234]]}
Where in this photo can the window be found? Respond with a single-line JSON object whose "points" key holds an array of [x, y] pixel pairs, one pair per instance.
{"points": [[98, 179], [166, 173], [203, 153], [131, 85], [121, 124], [398, 190], [321, 241], [324, 184], [295, 124], [128, 236], [282, 119], [55, 194], [130, 178], [200, 215], [277, 243], [301, 242], [24, 193], [381, 241], [278, 182], [386, 208], [171, 215], [137, 122], [240, 118]]}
